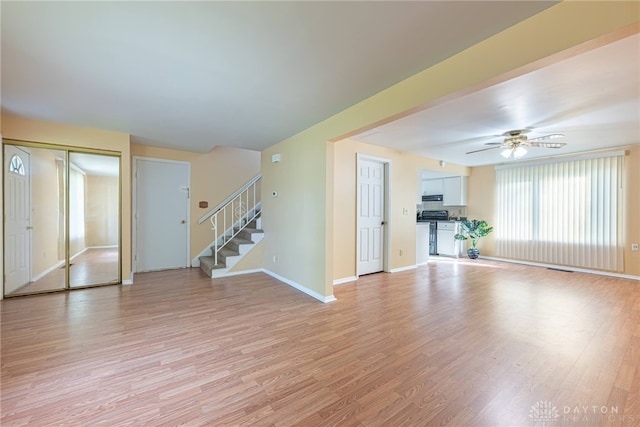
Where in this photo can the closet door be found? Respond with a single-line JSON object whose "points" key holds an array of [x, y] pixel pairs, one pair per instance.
{"points": [[94, 214], [34, 242]]}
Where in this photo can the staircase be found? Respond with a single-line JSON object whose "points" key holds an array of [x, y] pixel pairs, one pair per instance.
{"points": [[236, 224], [233, 251]]}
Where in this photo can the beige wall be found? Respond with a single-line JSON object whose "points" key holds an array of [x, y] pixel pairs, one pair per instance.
{"points": [[481, 203], [45, 208], [251, 261], [631, 209], [77, 225], [294, 222], [214, 176], [2, 210], [299, 224], [101, 214], [402, 196], [482, 185], [20, 128]]}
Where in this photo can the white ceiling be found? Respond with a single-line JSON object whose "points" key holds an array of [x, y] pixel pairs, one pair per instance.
{"points": [[592, 98], [193, 75]]}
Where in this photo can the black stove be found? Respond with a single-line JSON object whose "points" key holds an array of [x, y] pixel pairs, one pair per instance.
{"points": [[434, 215]]}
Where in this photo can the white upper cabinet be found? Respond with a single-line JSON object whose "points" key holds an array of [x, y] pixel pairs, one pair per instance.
{"points": [[454, 191], [431, 187]]}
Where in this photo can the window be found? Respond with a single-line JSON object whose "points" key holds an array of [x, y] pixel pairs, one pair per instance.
{"points": [[16, 165], [565, 212]]}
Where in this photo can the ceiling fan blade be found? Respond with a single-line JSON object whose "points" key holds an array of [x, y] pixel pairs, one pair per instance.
{"points": [[547, 137], [494, 143], [482, 149], [532, 143]]}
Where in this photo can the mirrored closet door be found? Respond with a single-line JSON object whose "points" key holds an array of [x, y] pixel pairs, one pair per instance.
{"points": [[62, 219]]}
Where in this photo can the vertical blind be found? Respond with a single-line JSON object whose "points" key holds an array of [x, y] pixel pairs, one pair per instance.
{"points": [[566, 212]]}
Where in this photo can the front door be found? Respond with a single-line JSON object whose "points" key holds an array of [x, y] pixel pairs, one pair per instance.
{"points": [[161, 214], [371, 196], [17, 202]]}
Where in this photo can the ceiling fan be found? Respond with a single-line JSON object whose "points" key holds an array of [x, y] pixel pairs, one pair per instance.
{"points": [[515, 141]]}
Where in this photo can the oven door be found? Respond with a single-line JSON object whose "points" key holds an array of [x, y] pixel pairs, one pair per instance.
{"points": [[433, 238]]}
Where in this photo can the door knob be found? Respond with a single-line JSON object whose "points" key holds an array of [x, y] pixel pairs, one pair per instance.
{"points": [[383, 223], [183, 222], [29, 228]]}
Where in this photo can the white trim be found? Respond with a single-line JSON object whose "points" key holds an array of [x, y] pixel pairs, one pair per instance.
{"points": [[128, 281], [241, 272], [406, 268], [134, 211], [564, 267], [47, 271], [560, 160], [344, 280], [301, 288], [71, 258], [386, 166], [102, 247]]}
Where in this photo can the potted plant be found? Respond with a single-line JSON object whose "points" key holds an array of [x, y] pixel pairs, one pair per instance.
{"points": [[473, 230]]}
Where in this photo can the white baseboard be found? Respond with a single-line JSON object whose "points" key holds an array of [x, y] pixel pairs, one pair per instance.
{"points": [[564, 267], [128, 281], [47, 271], [301, 288], [399, 269], [344, 280], [241, 272]]}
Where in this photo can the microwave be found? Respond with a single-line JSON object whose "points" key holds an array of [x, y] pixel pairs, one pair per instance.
{"points": [[432, 198]]}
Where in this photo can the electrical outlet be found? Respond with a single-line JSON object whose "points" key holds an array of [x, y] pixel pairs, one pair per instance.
{"points": [[401, 252], [634, 246], [275, 259]]}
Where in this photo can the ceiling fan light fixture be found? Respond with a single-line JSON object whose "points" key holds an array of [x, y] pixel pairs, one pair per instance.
{"points": [[519, 152], [514, 153]]}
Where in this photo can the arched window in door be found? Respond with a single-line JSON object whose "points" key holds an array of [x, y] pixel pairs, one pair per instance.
{"points": [[16, 165]]}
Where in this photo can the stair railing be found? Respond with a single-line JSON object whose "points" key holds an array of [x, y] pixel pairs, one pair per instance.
{"points": [[232, 215]]}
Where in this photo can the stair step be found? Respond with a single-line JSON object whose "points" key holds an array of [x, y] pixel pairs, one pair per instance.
{"points": [[247, 232], [231, 249]]}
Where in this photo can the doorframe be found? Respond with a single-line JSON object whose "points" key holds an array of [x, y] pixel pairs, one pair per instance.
{"points": [[386, 241], [134, 208]]}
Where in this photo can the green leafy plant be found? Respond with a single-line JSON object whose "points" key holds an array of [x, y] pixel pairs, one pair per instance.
{"points": [[473, 230]]}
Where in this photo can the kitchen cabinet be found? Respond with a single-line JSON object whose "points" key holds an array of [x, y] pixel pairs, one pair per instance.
{"points": [[431, 187], [454, 191], [447, 244], [422, 243]]}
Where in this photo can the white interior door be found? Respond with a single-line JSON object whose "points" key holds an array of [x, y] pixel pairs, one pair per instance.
{"points": [[371, 196], [161, 214], [17, 202]]}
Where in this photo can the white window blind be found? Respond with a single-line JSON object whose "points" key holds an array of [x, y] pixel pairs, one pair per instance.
{"points": [[567, 213]]}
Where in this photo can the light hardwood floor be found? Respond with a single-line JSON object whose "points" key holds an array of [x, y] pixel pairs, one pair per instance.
{"points": [[452, 343]]}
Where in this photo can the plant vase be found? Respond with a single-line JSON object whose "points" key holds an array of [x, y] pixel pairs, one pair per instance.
{"points": [[473, 253]]}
